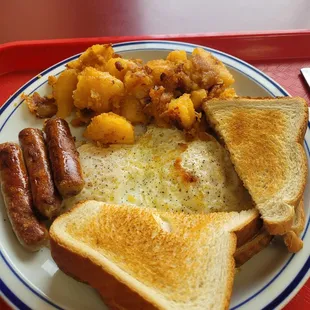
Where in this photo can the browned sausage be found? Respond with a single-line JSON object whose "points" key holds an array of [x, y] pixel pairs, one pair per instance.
{"points": [[64, 157], [45, 197], [17, 198]]}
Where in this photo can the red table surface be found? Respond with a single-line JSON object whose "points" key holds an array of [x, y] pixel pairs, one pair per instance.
{"points": [[43, 19], [281, 55]]}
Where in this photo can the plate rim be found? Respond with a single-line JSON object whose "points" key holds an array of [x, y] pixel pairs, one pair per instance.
{"points": [[284, 299]]}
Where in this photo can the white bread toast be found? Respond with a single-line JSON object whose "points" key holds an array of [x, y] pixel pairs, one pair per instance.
{"points": [[139, 258], [252, 247], [292, 239], [264, 137], [255, 238]]}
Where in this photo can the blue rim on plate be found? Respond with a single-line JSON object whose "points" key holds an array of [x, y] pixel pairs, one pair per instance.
{"points": [[17, 302]]}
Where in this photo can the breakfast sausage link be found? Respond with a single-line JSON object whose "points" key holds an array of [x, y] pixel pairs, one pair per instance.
{"points": [[44, 194], [17, 198], [64, 157]]}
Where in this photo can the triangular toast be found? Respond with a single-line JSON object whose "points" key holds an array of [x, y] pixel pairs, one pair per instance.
{"points": [[140, 258], [264, 137]]}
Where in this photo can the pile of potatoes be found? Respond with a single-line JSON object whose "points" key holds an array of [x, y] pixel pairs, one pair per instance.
{"points": [[109, 94]]}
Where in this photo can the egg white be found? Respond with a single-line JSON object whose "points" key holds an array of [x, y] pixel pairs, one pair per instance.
{"points": [[146, 174]]}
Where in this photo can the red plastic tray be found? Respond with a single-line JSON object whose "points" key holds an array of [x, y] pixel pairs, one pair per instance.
{"points": [[281, 55]]}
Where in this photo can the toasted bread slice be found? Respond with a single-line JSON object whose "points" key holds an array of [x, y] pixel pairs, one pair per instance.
{"points": [[264, 137], [247, 232], [292, 239], [252, 247], [251, 240], [139, 258]]}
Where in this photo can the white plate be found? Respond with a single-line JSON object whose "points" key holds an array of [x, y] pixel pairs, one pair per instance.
{"points": [[28, 280]]}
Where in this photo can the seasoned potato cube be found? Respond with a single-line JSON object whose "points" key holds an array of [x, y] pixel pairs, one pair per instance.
{"points": [[132, 109], [197, 97], [95, 89], [173, 76], [63, 90], [138, 83], [75, 64], [95, 56], [181, 111], [108, 128], [210, 65], [177, 56], [41, 107], [219, 91], [82, 117], [52, 80], [228, 93], [160, 99], [118, 67], [200, 126], [160, 69]]}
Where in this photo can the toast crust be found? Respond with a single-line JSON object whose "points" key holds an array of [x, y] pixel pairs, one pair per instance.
{"points": [[261, 239], [248, 231], [293, 242], [117, 295], [282, 226], [252, 247], [292, 239], [120, 292], [272, 121]]}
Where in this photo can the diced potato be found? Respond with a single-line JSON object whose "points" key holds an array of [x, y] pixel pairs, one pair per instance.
{"points": [[177, 56], [166, 92], [174, 76], [228, 93], [219, 91], [63, 90], [82, 117], [181, 111], [116, 105], [132, 109], [210, 65], [75, 64], [95, 89], [52, 80], [197, 97], [160, 99], [109, 128], [118, 67], [200, 125], [138, 83], [41, 107], [160, 69], [95, 56]]}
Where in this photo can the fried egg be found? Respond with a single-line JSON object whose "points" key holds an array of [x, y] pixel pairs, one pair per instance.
{"points": [[165, 171]]}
